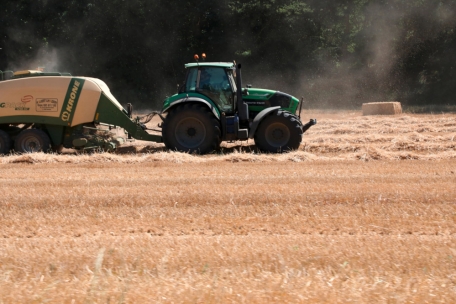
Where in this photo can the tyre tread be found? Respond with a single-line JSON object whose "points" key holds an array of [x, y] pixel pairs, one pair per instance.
{"points": [[168, 129], [40, 134], [294, 124]]}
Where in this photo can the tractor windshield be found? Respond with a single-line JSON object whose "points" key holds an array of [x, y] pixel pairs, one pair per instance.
{"points": [[217, 84]]}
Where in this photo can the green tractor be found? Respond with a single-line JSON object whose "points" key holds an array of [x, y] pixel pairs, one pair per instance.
{"points": [[211, 106]]}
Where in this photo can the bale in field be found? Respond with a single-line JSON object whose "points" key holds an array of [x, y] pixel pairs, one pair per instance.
{"points": [[382, 108]]}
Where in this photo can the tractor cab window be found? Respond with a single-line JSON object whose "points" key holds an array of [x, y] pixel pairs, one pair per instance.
{"points": [[214, 82], [190, 85], [231, 79]]}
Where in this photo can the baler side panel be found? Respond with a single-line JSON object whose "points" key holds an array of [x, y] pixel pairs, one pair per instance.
{"points": [[63, 101], [70, 103], [33, 100], [87, 102]]}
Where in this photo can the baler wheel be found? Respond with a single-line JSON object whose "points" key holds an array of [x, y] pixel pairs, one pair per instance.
{"points": [[191, 128], [5, 142], [32, 140], [279, 132]]}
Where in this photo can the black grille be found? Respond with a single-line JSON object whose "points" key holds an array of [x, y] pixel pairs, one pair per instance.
{"points": [[280, 99]]}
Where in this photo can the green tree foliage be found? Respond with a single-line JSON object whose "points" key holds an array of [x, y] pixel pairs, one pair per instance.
{"points": [[334, 53]]}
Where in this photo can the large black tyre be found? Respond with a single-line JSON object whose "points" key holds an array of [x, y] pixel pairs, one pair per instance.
{"points": [[279, 132], [5, 142], [12, 131], [32, 140], [191, 128]]}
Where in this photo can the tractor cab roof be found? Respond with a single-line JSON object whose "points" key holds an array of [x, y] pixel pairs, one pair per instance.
{"points": [[226, 65]]}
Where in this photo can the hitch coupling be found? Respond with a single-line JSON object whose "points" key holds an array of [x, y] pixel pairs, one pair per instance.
{"points": [[308, 125]]}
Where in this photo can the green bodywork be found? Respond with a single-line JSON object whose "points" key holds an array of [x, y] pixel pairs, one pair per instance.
{"points": [[257, 99], [183, 97]]}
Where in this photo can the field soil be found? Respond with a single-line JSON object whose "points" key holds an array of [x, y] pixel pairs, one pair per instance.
{"points": [[364, 212]]}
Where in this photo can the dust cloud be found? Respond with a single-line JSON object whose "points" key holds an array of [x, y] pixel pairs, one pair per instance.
{"points": [[143, 66], [390, 35]]}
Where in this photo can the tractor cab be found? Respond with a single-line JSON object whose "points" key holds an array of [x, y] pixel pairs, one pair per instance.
{"points": [[216, 81]]}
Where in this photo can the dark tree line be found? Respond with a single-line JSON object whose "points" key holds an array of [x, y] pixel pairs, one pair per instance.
{"points": [[334, 53]]}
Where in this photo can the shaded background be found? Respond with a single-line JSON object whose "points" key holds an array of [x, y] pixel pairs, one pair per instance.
{"points": [[336, 54]]}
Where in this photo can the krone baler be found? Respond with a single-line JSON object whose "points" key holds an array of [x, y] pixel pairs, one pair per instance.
{"points": [[41, 111]]}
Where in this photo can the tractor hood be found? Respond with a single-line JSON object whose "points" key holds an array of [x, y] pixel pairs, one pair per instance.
{"points": [[258, 99]]}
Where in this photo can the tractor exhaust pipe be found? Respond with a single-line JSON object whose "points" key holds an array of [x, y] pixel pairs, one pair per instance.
{"points": [[308, 125], [242, 107]]}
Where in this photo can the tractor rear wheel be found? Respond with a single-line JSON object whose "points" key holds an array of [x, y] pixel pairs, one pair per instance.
{"points": [[5, 142], [32, 140], [191, 128], [279, 132]]}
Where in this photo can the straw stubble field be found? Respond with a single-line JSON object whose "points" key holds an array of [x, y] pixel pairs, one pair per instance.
{"points": [[364, 212]]}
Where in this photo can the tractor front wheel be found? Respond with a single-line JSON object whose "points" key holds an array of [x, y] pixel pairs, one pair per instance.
{"points": [[191, 128], [279, 132], [32, 140]]}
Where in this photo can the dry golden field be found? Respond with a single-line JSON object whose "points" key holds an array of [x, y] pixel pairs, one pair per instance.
{"points": [[364, 212]]}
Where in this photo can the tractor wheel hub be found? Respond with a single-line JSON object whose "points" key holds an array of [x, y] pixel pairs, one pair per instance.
{"points": [[277, 134], [191, 132]]}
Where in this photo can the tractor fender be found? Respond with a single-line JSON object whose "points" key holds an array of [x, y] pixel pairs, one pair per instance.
{"points": [[193, 99], [259, 118]]}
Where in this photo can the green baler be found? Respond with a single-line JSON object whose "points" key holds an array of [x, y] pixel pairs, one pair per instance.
{"points": [[40, 111]]}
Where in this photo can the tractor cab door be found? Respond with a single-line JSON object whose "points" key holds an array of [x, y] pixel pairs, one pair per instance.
{"points": [[218, 84]]}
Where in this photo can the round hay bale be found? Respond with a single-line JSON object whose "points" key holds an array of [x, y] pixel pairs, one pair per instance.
{"points": [[382, 108]]}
